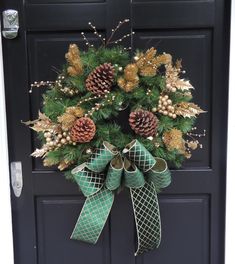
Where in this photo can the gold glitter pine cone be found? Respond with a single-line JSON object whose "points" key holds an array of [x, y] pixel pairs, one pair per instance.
{"points": [[83, 130], [130, 80], [75, 64], [173, 139], [101, 79], [144, 123]]}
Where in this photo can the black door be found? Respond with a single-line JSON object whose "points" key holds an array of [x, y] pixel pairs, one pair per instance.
{"points": [[193, 207]]}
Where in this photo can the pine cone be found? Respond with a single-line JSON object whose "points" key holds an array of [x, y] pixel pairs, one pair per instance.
{"points": [[143, 122], [101, 79], [83, 130]]}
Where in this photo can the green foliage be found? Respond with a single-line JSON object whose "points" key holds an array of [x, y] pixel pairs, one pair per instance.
{"points": [[185, 124], [180, 96], [55, 103], [145, 96], [94, 57], [165, 123]]}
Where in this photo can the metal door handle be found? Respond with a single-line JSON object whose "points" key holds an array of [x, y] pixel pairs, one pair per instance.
{"points": [[16, 177], [10, 24]]}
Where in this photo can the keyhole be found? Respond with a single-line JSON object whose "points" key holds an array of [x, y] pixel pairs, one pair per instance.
{"points": [[11, 18]]}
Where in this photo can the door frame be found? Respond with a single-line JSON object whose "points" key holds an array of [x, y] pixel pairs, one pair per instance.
{"points": [[5, 219], [230, 194]]}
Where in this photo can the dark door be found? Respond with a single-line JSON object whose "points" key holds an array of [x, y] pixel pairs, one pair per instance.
{"points": [[193, 207]]}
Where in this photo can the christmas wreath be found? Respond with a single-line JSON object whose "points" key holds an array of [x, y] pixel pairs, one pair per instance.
{"points": [[108, 115]]}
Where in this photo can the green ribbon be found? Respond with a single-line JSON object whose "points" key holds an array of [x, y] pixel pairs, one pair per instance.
{"points": [[104, 173]]}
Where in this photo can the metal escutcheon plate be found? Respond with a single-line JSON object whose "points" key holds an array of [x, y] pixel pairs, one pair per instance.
{"points": [[10, 24]]}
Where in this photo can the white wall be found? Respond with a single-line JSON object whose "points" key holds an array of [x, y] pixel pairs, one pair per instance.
{"points": [[6, 251], [230, 214]]}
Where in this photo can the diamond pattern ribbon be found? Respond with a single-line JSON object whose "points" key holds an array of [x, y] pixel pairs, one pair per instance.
{"points": [[147, 217], [93, 216], [104, 173]]}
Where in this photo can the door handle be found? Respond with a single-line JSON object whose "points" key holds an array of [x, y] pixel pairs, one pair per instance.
{"points": [[16, 177], [10, 24]]}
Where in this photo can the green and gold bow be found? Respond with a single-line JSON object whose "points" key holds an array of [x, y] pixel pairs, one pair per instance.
{"points": [[105, 172]]}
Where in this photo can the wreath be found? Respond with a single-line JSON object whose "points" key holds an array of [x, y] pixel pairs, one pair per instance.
{"points": [[107, 108]]}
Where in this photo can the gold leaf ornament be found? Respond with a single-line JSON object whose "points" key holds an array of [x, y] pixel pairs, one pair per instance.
{"points": [[43, 123], [173, 81], [186, 109], [75, 63], [39, 152]]}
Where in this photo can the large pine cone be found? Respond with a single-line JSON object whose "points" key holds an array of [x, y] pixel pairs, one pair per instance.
{"points": [[143, 122], [83, 130], [101, 79]]}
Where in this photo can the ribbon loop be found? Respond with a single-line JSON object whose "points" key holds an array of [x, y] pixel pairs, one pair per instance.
{"points": [[134, 178], [101, 158], [159, 174], [114, 175], [89, 182], [138, 154]]}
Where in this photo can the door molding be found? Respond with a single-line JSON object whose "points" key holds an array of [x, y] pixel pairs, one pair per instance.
{"points": [[5, 219], [230, 195]]}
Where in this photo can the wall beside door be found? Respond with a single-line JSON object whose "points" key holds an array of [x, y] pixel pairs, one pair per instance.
{"points": [[6, 252]]}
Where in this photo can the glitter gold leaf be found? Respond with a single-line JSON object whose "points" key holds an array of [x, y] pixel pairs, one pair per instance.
{"points": [[183, 85], [43, 123], [173, 81], [39, 152], [186, 109]]}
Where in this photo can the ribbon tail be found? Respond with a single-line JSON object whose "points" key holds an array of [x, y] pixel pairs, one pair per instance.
{"points": [[147, 217], [93, 216]]}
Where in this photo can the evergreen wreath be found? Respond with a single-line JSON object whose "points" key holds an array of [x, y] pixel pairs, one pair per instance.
{"points": [[81, 109], [110, 120]]}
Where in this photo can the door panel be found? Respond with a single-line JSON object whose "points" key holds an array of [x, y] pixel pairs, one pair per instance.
{"points": [[185, 230], [192, 208], [173, 14], [55, 217]]}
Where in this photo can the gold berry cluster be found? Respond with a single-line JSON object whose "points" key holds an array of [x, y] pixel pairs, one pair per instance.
{"points": [[55, 141], [165, 106]]}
